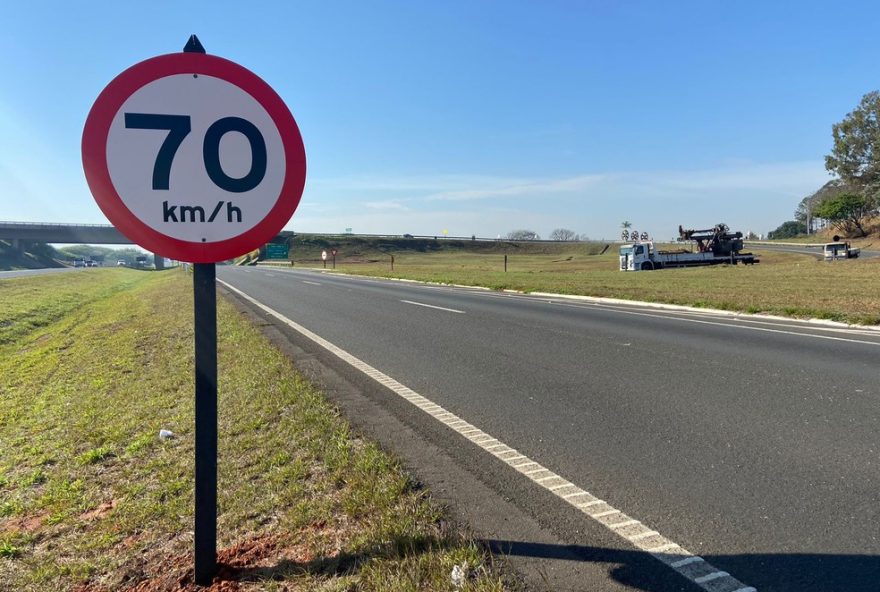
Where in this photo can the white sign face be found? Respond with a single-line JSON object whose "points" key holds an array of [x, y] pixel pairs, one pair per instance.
{"points": [[195, 158], [324, 255]]}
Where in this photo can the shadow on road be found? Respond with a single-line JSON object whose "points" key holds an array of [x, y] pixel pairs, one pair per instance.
{"points": [[801, 572]]}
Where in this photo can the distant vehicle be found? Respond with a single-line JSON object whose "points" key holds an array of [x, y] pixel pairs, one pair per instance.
{"points": [[91, 263], [79, 262], [120, 263], [715, 246], [407, 236], [840, 250]]}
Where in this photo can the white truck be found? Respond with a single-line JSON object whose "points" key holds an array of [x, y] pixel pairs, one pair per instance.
{"points": [[839, 250], [712, 246]]}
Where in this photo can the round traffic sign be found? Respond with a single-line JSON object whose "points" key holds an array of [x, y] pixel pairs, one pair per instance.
{"points": [[193, 157]]}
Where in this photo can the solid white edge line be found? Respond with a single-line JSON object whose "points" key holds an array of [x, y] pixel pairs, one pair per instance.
{"points": [[411, 396]]}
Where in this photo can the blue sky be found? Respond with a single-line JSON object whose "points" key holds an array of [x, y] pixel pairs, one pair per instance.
{"points": [[475, 117]]}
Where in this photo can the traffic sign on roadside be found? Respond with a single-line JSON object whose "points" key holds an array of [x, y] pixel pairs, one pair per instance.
{"points": [[193, 157], [323, 255], [277, 251]]}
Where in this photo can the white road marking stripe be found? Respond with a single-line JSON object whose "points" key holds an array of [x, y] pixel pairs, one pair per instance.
{"points": [[661, 548], [432, 306], [747, 589], [575, 494], [555, 488], [605, 513], [415, 398], [270, 274], [711, 576], [646, 535], [728, 325], [542, 479], [525, 464], [311, 283], [688, 561], [617, 525]]}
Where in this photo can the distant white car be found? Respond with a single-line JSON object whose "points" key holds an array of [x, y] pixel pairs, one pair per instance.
{"points": [[120, 263]]}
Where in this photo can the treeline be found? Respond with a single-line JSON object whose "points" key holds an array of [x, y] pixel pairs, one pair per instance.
{"points": [[850, 201]]}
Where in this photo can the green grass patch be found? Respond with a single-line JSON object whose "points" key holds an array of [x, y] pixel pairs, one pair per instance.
{"points": [[90, 371]]}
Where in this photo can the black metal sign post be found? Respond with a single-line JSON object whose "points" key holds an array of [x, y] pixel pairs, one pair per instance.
{"points": [[205, 313], [205, 306]]}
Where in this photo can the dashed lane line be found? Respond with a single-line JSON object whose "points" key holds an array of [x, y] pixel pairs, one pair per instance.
{"points": [[432, 306], [691, 566]]}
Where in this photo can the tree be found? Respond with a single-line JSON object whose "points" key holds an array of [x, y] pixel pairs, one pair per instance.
{"points": [[808, 206], [847, 211], [563, 234], [789, 229], [855, 156], [523, 235]]}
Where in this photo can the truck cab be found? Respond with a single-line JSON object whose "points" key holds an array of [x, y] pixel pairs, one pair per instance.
{"points": [[636, 256]]}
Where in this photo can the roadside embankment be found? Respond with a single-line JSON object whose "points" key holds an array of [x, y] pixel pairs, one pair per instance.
{"points": [[93, 366]]}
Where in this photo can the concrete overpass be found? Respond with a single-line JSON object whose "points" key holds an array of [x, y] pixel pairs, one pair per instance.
{"points": [[21, 234]]}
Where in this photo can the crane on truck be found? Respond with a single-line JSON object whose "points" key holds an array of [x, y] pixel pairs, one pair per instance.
{"points": [[711, 246]]}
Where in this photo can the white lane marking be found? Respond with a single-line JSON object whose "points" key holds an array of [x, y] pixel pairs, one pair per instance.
{"points": [[687, 561], [677, 559], [270, 274], [683, 319], [661, 548], [432, 306], [625, 523], [606, 513], [711, 576], [311, 283]]}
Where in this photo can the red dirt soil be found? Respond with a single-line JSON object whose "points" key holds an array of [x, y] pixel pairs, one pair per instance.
{"points": [[242, 563]]}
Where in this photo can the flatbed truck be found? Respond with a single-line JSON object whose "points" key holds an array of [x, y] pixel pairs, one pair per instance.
{"points": [[712, 246]]}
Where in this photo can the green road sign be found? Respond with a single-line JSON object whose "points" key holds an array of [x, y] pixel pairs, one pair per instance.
{"points": [[276, 251]]}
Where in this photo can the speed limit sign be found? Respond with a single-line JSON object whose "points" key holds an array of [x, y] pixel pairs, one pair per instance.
{"points": [[193, 157]]}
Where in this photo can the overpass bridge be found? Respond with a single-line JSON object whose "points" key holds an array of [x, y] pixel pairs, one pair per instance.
{"points": [[22, 234], [46, 232]]}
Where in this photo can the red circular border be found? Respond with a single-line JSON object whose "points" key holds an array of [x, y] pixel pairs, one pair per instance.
{"points": [[94, 155]]}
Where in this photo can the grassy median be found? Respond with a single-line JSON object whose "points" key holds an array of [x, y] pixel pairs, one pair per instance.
{"points": [[94, 364], [783, 283]]}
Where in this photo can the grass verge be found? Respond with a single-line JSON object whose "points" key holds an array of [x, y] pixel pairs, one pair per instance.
{"points": [[783, 283], [92, 499]]}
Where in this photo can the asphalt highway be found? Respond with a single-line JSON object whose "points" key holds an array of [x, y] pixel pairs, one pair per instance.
{"points": [[750, 442]]}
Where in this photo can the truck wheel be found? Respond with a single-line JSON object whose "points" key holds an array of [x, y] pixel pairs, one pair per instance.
{"points": [[647, 266]]}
